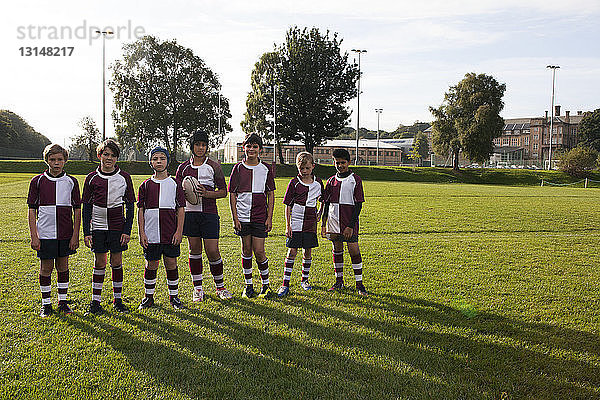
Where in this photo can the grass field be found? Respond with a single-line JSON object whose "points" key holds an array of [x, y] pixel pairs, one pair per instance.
{"points": [[477, 292]]}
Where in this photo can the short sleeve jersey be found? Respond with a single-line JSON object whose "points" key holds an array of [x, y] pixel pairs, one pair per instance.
{"points": [[303, 198], [54, 198], [107, 193], [342, 194], [160, 199], [251, 184], [210, 175]]}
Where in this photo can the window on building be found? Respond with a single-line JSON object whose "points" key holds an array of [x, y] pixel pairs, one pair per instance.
{"points": [[535, 146], [536, 137]]}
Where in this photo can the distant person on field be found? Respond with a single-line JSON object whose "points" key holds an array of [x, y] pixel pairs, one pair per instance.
{"points": [[251, 198], [108, 199], [342, 202], [54, 219], [301, 217], [202, 222], [161, 211]]}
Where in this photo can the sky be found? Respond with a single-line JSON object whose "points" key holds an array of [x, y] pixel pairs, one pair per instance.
{"points": [[415, 51]]}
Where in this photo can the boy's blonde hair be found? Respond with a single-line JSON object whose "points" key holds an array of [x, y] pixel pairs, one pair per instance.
{"points": [[304, 157], [55, 149]]}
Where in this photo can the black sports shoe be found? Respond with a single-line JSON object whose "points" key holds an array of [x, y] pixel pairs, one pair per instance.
{"points": [[338, 285], [147, 302], [119, 306], [63, 307], [95, 308], [361, 290], [46, 310], [265, 292], [176, 303], [249, 292]]}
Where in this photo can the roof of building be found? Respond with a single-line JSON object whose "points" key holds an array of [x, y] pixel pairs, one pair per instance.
{"points": [[350, 143]]}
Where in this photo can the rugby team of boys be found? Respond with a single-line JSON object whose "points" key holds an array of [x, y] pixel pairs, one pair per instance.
{"points": [[106, 211]]}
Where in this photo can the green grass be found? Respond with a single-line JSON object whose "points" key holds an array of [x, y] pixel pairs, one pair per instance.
{"points": [[477, 292]]}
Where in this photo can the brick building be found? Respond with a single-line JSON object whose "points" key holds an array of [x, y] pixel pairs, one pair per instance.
{"points": [[525, 141], [389, 153]]}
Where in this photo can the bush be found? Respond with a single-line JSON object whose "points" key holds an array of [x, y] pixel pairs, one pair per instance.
{"points": [[578, 161]]}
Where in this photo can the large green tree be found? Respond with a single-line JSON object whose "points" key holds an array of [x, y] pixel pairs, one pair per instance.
{"points": [[314, 81], [18, 138], [163, 92], [469, 119], [589, 130]]}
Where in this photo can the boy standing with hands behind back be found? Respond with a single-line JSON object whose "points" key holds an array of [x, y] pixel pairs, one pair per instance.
{"points": [[301, 216], [251, 198], [161, 210], [107, 196], [53, 200], [342, 202]]}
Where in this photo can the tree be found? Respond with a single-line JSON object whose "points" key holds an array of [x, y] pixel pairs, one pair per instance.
{"points": [[163, 93], [420, 148], [18, 139], [313, 81], [589, 130], [578, 161], [259, 104], [88, 140], [469, 119]]}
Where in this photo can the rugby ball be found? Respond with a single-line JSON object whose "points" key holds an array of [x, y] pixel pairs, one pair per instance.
{"points": [[190, 188]]}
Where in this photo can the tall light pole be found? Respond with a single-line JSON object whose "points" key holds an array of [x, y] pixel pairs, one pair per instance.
{"points": [[553, 68], [378, 111], [274, 126], [219, 113], [104, 33], [359, 51]]}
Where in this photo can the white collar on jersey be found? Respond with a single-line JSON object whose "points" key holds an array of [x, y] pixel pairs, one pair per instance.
{"points": [[343, 179], [306, 184], [54, 178], [252, 166], [153, 179], [108, 175], [197, 166]]}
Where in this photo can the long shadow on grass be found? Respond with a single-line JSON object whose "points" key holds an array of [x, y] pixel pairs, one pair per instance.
{"points": [[230, 359], [202, 368], [499, 353], [336, 372]]}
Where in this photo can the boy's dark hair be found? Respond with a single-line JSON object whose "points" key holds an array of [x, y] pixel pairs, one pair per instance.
{"points": [[111, 144], [341, 153], [55, 149], [253, 138], [198, 136]]}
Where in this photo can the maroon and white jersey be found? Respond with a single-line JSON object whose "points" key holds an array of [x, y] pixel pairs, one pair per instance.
{"points": [[251, 184], [303, 198], [342, 194], [54, 198], [107, 193], [210, 175], [160, 199]]}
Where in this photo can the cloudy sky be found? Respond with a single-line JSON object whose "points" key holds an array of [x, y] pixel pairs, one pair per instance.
{"points": [[415, 50]]}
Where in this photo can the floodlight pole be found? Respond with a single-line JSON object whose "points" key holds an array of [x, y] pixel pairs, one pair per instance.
{"points": [[219, 114], [275, 126], [553, 68], [378, 111], [359, 51], [104, 33]]}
